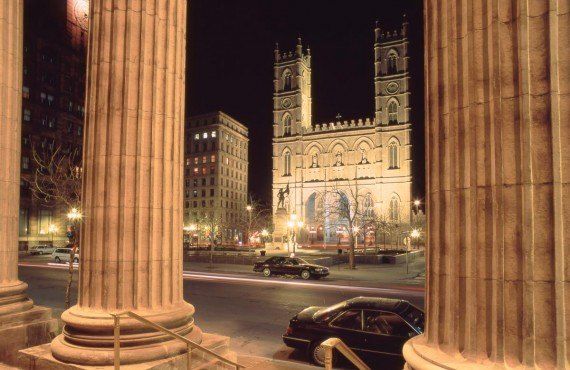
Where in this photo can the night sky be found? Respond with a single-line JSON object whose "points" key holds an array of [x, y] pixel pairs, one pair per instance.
{"points": [[230, 65]]}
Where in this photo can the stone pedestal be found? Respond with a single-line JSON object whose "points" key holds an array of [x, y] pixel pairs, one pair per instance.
{"points": [[498, 194], [280, 228], [21, 323], [131, 238], [41, 358]]}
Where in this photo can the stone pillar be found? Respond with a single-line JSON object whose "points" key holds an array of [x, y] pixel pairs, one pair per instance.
{"points": [[498, 168], [131, 238], [21, 323]]}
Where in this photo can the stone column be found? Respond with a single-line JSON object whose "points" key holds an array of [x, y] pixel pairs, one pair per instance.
{"points": [[498, 130], [21, 323], [131, 239]]}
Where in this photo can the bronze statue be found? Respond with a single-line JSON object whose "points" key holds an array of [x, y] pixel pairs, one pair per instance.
{"points": [[281, 197]]}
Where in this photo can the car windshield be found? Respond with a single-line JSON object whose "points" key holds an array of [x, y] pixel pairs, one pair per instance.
{"points": [[415, 317], [329, 312], [298, 261]]}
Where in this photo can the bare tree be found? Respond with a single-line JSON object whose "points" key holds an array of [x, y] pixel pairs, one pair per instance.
{"points": [[57, 183], [254, 217], [210, 227], [345, 206]]}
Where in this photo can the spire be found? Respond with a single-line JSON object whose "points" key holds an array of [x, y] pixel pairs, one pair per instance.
{"points": [[299, 49], [276, 52], [404, 25]]}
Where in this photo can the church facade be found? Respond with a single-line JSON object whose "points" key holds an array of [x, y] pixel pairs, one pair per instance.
{"points": [[370, 157]]}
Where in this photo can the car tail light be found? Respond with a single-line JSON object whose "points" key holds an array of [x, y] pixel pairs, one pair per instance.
{"points": [[289, 330]]}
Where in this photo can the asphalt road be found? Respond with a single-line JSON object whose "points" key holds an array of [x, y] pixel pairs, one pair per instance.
{"points": [[254, 312]]}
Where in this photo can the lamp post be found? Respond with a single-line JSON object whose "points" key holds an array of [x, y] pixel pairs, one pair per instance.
{"points": [[249, 209], [74, 216], [414, 234], [294, 225], [52, 229], [264, 235], [355, 230]]}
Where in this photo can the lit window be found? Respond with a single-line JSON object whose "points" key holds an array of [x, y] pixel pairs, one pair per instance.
{"points": [[227, 161], [188, 161], [213, 158], [195, 170], [27, 115], [204, 159], [205, 135], [25, 163], [197, 136], [204, 170], [393, 159], [25, 92], [213, 133]]}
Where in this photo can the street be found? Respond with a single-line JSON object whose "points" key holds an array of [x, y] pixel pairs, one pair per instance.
{"points": [[253, 311]]}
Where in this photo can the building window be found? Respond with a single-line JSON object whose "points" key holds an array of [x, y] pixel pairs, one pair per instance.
{"points": [[204, 170], [287, 80], [25, 163], [287, 125], [27, 115], [392, 63], [203, 181], [393, 112], [211, 181], [287, 164], [25, 92], [368, 206], [211, 192], [205, 135], [50, 100], [24, 222], [394, 209], [213, 134], [212, 169], [393, 155], [43, 98], [195, 193], [196, 136], [195, 170], [79, 130], [213, 158]]}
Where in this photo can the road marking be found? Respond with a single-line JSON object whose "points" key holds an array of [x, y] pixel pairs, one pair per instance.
{"points": [[191, 275]]}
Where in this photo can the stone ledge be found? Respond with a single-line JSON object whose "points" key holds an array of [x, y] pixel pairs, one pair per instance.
{"points": [[40, 358], [25, 329]]}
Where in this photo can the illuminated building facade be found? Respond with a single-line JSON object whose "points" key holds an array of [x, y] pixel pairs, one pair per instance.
{"points": [[371, 157], [216, 171]]}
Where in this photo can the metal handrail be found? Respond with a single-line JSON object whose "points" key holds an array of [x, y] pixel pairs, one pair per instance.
{"points": [[190, 344], [340, 346]]}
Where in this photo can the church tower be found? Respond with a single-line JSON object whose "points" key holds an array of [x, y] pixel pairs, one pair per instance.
{"points": [[292, 91], [391, 79]]}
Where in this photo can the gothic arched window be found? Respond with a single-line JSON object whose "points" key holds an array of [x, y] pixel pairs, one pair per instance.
{"points": [[394, 211], [392, 63], [368, 206], [393, 154], [287, 164], [287, 80], [393, 112], [287, 125]]}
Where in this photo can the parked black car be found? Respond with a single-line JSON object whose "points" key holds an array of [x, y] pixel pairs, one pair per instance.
{"points": [[374, 328], [290, 266]]}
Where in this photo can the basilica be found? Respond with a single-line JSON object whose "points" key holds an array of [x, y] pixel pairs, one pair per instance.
{"points": [[370, 157]]}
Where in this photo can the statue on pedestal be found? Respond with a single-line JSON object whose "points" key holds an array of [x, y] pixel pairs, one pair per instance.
{"points": [[281, 197]]}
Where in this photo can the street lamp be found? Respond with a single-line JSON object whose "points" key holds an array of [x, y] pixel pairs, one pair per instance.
{"points": [[248, 208], [294, 225], [52, 229], [264, 235]]}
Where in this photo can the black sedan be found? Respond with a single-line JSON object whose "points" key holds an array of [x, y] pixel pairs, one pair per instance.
{"points": [[290, 266], [374, 328]]}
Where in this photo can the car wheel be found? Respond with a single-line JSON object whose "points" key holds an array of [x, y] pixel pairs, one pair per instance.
{"points": [[305, 274], [318, 354], [76, 260], [57, 259], [266, 272]]}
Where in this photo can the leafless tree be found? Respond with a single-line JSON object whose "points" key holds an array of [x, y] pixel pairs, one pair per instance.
{"points": [[210, 227], [254, 217], [57, 183], [345, 205]]}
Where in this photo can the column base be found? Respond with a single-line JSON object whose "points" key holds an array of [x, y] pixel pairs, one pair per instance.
{"points": [[25, 329], [41, 358], [88, 336], [420, 356]]}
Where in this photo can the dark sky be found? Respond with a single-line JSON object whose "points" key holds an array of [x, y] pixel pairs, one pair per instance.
{"points": [[230, 65]]}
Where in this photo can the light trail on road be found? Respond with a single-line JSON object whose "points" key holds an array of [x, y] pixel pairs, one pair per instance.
{"points": [[205, 276]]}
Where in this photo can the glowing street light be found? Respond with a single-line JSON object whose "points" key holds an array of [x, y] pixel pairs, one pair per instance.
{"points": [[415, 233], [417, 202], [294, 225], [74, 215], [249, 208]]}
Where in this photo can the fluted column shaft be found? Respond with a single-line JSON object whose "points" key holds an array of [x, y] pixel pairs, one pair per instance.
{"points": [[497, 128], [12, 297], [131, 239]]}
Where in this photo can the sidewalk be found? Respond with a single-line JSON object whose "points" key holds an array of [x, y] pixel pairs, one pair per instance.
{"points": [[363, 275]]}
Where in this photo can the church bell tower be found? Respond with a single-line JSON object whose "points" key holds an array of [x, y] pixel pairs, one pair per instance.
{"points": [[292, 91]]}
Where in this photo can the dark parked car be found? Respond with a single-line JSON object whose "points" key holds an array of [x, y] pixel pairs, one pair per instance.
{"points": [[290, 266], [374, 328]]}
